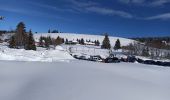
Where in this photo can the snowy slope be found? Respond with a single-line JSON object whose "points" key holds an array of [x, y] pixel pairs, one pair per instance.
{"points": [[81, 80], [6, 36], [74, 36], [42, 55]]}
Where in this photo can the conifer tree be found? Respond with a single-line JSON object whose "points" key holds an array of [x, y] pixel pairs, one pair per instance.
{"points": [[63, 40], [106, 42], [49, 40], [97, 43], [47, 45], [117, 45], [41, 41], [58, 41], [82, 41], [66, 42], [30, 42], [12, 43], [21, 36], [49, 31]]}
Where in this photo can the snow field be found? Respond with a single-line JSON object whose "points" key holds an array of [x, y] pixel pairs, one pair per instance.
{"points": [[83, 80], [74, 36], [59, 54]]}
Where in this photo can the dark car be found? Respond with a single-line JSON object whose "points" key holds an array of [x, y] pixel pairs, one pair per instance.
{"points": [[150, 62], [140, 60], [112, 60], [75, 56], [96, 58], [123, 59], [131, 59], [82, 58], [167, 64], [160, 63]]}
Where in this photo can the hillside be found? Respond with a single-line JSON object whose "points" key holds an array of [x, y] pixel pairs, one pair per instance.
{"points": [[74, 36]]}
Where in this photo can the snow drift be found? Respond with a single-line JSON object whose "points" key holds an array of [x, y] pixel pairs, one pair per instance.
{"points": [[82, 80], [29, 55]]}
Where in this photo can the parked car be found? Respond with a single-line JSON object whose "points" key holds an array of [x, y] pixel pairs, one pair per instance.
{"points": [[83, 58], [123, 59], [167, 64], [160, 63], [150, 62], [140, 60], [76, 56], [131, 59], [112, 60], [96, 58]]}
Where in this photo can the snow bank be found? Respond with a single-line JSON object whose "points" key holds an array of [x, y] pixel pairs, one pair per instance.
{"points": [[29, 55], [59, 48], [82, 80]]}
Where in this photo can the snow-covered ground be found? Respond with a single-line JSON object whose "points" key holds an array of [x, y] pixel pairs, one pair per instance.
{"points": [[82, 80], [86, 50], [74, 36], [59, 54], [55, 75]]}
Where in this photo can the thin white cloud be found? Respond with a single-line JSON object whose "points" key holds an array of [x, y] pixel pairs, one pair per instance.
{"points": [[106, 11], [132, 1], [94, 7], [83, 4], [12, 9], [165, 16], [15, 9], [159, 2], [146, 2], [51, 7], [75, 6]]}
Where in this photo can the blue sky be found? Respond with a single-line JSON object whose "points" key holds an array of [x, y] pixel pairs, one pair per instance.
{"points": [[126, 18]]}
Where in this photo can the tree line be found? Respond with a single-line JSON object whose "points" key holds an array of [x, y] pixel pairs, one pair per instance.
{"points": [[47, 41], [25, 40], [156, 42], [22, 39], [106, 43], [140, 49]]}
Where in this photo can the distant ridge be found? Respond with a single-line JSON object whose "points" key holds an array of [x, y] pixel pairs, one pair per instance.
{"points": [[75, 36]]}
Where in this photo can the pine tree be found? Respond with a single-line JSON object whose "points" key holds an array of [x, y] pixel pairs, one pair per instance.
{"points": [[49, 40], [82, 41], [41, 41], [21, 36], [106, 42], [97, 43], [47, 45], [117, 45], [49, 31], [66, 42], [30, 42], [12, 43], [63, 40], [58, 41], [79, 41]]}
